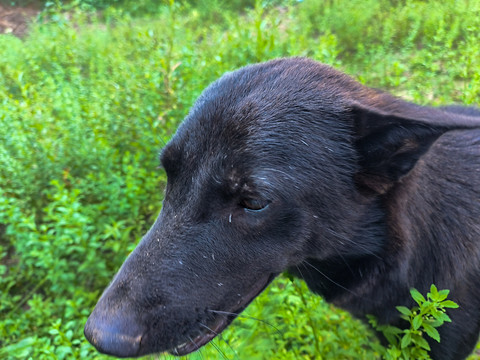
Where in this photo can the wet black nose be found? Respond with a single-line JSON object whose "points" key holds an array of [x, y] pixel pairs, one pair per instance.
{"points": [[114, 334]]}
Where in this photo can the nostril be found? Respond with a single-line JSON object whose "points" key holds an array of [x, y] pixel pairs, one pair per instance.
{"points": [[117, 337]]}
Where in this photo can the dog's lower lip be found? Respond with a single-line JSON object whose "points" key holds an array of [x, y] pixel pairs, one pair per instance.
{"points": [[224, 318], [202, 339]]}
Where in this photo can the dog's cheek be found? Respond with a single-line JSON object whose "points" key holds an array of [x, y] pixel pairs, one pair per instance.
{"points": [[279, 240]]}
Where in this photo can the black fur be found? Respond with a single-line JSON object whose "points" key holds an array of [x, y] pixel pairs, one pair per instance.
{"points": [[291, 165]]}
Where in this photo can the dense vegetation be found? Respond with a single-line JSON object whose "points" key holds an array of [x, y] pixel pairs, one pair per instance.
{"points": [[89, 97]]}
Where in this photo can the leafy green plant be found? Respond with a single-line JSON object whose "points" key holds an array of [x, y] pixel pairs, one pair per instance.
{"points": [[423, 319]]}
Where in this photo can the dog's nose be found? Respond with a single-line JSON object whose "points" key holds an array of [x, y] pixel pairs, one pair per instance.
{"points": [[114, 335]]}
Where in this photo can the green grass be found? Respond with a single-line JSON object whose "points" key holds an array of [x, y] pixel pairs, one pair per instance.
{"points": [[88, 99]]}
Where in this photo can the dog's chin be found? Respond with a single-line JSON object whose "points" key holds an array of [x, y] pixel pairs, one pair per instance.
{"points": [[218, 325], [221, 320]]}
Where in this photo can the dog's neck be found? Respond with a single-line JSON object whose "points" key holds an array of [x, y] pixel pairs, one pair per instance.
{"points": [[365, 254]]}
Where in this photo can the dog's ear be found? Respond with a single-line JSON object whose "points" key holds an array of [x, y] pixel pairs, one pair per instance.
{"points": [[391, 135]]}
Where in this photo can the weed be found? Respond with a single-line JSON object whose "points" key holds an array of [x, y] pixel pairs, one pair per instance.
{"points": [[423, 319]]}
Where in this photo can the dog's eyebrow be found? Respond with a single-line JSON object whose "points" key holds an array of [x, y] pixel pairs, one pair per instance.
{"points": [[258, 185]]}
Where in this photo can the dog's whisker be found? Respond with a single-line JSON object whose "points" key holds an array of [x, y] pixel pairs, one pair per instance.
{"points": [[330, 279], [351, 241], [219, 350], [247, 317], [215, 345], [344, 260], [193, 342], [222, 338], [305, 263], [300, 272], [196, 346], [200, 353], [208, 328]]}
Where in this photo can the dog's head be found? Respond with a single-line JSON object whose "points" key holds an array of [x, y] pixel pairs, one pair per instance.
{"points": [[275, 164]]}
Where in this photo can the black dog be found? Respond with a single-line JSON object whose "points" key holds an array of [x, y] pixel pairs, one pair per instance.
{"points": [[292, 165]]}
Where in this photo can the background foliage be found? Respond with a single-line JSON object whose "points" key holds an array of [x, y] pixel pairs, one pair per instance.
{"points": [[95, 90]]}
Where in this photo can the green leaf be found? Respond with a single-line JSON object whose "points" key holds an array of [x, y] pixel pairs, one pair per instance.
{"points": [[449, 304], [440, 318], [422, 343], [394, 353], [391, 338], [427, 307], [443, 294], [431, 331], [417, 322], [417, 296], [406, 340], [404, 310], [391, 330], [372, 320]]}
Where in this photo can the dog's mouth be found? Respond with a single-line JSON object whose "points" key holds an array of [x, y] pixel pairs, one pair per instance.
{"points": [[221, 320]]}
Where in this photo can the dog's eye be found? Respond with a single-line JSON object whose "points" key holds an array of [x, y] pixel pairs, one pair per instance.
{"points": [[254, 204]]}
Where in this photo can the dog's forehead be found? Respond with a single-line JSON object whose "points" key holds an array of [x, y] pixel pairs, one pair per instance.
{"points": [[225, 154], [246, 113]]}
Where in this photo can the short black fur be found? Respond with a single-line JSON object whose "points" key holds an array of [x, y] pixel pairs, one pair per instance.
{"points": [[292, 165]]}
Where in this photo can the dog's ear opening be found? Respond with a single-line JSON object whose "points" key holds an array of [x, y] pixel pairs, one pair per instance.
{"points": [[391, 138]]}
